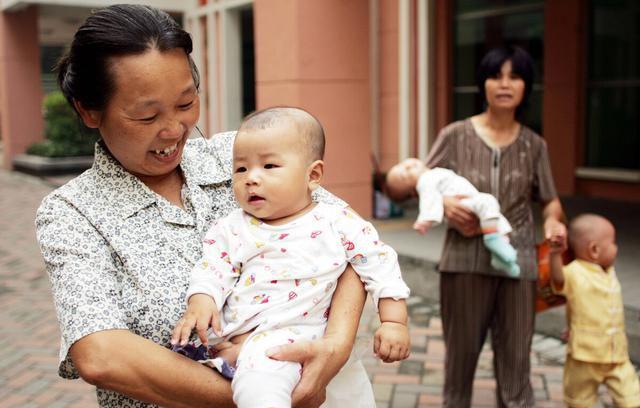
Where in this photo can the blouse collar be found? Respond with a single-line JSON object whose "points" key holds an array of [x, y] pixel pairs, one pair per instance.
{"points": [[127, 194]]}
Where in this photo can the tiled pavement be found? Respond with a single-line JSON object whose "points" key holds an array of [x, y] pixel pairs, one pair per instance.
{"points": [[29, 334]]}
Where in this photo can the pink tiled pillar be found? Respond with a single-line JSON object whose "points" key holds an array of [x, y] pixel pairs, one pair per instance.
{"points": [[315, 54], [20, 89]]}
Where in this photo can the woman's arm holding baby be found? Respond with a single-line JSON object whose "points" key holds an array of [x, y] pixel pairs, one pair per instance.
{"points": [[132, 365]]}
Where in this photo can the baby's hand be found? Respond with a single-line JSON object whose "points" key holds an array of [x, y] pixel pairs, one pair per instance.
{"points": [[391, 342], [201, 313], [422, 226]]}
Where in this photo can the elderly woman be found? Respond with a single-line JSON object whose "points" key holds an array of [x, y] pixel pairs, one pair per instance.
{"points": [[120, 240], [502, 157]]}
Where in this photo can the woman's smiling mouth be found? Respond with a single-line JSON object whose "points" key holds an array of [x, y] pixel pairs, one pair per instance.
{"points": [[167, 151]]}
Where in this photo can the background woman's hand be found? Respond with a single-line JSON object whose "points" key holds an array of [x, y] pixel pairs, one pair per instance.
{"points": [[555, 232], [321, 360], [461, 217]]}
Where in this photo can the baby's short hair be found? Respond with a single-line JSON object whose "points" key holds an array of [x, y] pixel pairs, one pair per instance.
{"points": [[308, 126]]}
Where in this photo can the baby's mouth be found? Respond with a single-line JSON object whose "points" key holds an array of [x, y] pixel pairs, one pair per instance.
{"points": [[255, 198]]}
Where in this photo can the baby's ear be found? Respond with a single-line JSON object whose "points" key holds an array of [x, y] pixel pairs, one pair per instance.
{"points": [[594, 250], [315, 171]]}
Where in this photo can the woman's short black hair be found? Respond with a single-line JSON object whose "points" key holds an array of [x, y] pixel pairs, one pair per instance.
{"points": [[521, 64], [84, 73]]}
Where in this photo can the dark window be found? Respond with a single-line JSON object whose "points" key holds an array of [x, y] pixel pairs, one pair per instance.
{"points": [[49, 56], [248, 62], [613, 85]]}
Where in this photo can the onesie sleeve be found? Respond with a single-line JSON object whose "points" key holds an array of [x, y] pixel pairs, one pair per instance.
{"points": [[430, 199], [215, 273], [375, 262]]}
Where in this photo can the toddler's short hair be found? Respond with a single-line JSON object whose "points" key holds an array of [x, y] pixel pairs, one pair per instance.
{"points": [[308, 126], [585, 228]]}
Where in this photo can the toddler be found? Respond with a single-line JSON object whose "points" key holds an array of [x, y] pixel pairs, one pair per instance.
{"points": [[412, 176], [597, 347], [269, 269]]}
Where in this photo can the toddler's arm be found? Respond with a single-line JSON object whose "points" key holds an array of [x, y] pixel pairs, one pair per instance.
{"points": [[556, 265], [391, 341]]}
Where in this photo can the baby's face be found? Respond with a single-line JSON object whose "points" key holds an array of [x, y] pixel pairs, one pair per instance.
{"points": [[404, 175], [270, 172]]}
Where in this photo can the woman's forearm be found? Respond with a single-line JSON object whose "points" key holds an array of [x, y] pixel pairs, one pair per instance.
{"points": [[346, 309], [121, 361], [553, 210]]}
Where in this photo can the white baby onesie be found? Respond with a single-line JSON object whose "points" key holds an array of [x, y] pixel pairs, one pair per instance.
{"points": [[278, 281]]}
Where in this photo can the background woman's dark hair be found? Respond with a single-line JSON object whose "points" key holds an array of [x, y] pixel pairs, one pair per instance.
{"points": [[521, 64], [84, 71]]}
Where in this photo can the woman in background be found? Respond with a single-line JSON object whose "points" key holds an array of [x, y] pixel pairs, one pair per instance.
{"points": [[502, 157]]}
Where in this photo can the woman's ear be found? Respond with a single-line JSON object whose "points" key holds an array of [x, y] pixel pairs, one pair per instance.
{"points": [[315, 171], [91, 118]]}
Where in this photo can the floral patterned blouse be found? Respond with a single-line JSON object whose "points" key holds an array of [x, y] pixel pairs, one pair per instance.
{"points": [[119, 256]]}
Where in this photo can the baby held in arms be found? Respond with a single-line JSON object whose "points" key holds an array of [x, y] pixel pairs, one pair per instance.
{"points": [[412, 177], [269, 269]]}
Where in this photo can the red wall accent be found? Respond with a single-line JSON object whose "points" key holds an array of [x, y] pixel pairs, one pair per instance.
{"points": [[315, 54], [20, 89]]}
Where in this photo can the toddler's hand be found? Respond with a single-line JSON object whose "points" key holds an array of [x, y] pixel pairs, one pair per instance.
{"points": [[391, 342], [201, 313], [422, 226]]}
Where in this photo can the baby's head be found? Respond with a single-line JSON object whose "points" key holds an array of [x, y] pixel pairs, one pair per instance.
{"points": [[403, 177], [593, 238], [277, 162]]}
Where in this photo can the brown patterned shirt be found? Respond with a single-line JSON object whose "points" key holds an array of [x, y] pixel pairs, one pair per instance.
{"points": [[516, 174]]}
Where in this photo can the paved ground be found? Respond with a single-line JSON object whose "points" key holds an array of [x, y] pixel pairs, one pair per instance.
{"points": [[29, 334]]}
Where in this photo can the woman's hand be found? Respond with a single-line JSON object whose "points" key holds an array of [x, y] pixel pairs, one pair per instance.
{"points": [[461, 217], [321, 360], [555, 233]]}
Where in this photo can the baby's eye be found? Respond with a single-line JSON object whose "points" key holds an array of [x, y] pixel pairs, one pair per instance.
{"points": [[270, 166], [241, 169]]}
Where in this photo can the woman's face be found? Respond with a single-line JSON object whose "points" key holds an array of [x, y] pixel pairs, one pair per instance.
{"points": [[505, 90], [153, 109]]}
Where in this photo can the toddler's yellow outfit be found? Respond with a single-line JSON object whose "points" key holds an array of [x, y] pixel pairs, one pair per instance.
{"points": [[597, 350]]}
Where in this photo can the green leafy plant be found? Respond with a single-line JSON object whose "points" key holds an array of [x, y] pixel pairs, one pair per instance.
{"points": [[65, 135]]}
